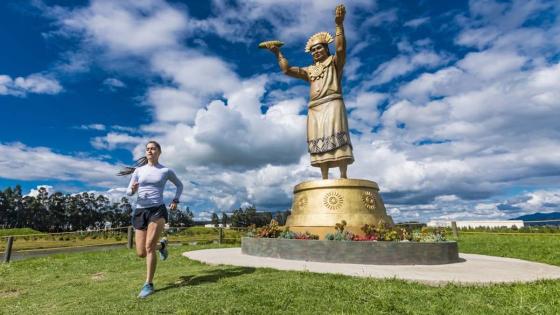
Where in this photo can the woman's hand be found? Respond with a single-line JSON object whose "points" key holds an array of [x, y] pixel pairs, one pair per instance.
{"points": [[135, 187], [173, 205]]}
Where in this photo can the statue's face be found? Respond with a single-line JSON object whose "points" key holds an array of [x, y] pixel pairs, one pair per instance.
{"points": [[319, 52]]}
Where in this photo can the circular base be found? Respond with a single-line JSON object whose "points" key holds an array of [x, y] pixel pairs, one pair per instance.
{"points": [[324, 203], [474, 269], [374, 253]]}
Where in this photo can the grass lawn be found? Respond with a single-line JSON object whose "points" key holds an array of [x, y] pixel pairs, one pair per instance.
{"points": [[108, 282], [25, 241]]}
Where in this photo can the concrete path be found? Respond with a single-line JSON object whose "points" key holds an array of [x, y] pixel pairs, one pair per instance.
{"points": [[476, 269]]}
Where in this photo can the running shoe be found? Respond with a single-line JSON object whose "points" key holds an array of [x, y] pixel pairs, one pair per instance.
{"points": [[147, 289], [163, 253]]}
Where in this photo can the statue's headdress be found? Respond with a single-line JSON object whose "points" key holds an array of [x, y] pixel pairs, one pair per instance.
{"points": [[319, 38]]}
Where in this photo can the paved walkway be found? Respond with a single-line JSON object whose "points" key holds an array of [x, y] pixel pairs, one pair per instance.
{"points": [[476, 269]]}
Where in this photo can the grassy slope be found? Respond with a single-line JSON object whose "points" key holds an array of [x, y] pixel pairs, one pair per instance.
{"points": [[22, 231], [107, 282], [25, 242]]}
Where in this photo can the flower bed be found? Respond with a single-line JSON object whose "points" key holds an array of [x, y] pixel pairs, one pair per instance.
{"points": [[381, 245], [370, 233]]}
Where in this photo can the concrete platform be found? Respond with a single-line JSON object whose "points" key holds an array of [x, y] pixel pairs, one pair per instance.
{"points": [[474, 269]]}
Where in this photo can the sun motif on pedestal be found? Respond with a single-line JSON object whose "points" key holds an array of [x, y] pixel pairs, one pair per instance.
{"points": [[301, 202], [369, 200], [333, 200]]}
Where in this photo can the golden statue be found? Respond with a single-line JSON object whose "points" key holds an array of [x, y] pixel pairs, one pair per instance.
{"points": [[318, 206], [328, 136]]}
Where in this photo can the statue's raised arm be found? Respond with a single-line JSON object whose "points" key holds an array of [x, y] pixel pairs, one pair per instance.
{"points": [[340, 40]]}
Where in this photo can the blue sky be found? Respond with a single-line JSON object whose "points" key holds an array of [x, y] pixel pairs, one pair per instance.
{"points": [[453, 105]]}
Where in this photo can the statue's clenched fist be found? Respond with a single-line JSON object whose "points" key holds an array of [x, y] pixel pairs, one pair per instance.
{"points": [[339, 14]]}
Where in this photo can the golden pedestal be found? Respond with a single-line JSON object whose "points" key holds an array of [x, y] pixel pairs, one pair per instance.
{"points": [[319, 205]]}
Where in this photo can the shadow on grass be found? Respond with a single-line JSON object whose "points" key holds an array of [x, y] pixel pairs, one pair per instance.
{"points": [[207, 277]]}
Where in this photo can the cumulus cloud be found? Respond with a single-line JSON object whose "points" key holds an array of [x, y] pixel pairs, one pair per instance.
{"points": [[35, 83], [291, 21], [442, 145], [21, 162], [114, 139], [35, 192], [146, 25], [472, 129], [405, 64]]}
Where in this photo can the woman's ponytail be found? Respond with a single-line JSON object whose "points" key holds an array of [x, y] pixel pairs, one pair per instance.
{"points": [[127, 170]]}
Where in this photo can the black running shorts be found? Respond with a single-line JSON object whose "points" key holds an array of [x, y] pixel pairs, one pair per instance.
{"points": [[143, 216]]}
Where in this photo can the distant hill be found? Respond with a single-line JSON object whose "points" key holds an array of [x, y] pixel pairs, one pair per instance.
{"points": [[540, 217]]}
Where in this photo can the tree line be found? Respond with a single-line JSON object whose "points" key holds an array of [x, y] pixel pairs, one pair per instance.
{"points": [[59, 212]]}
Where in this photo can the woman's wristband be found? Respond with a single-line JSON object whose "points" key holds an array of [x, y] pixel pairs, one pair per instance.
{"points": [[175, 201]]}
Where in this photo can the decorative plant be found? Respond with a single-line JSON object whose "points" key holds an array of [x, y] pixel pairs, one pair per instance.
{"points": [[271, 230], [339, 227], [287, 234], [251, 231], [306, 236], [340, 234], [429, 235]]}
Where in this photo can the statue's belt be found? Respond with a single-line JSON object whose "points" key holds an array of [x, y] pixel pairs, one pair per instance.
{"points": [[325, 99]]}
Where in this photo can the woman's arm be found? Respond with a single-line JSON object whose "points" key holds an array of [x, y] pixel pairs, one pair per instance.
{"points": [[179, 185], [133, 185]]}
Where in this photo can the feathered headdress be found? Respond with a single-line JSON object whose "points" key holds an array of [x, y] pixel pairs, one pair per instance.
{"points": [[319, 38]]}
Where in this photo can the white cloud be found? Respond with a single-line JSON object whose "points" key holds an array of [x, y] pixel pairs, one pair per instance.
{"points": [[21, 162], [113, 84], [99, 127], [491, 64], [113, 140], [381, 18], [491, 127], [404, 64], [35, 192], [417, 22], [292, 21], [35, 83], [147, 25], [174, 105]]}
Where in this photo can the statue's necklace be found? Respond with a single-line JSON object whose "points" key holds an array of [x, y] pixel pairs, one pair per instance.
{"points": [[317, 71]]}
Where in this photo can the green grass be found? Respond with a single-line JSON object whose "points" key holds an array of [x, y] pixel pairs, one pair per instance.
{"points": [[22, 231], [24, 241], [542, 247], [107, 283]]}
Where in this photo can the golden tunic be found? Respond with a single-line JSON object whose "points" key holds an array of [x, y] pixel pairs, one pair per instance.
{"points": [[328, 137]]}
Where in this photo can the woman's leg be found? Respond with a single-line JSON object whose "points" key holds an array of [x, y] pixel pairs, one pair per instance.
{"points": [[140, 240], [152, 240]]}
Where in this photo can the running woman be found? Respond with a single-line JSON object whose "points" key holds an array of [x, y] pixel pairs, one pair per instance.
{"points": [[149, 217]]}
